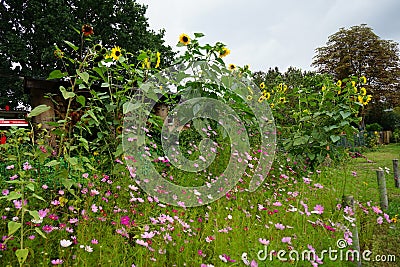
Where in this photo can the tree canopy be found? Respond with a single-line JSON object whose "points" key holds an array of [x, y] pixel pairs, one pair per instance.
{"points": [[29, 31], [358, 51]]}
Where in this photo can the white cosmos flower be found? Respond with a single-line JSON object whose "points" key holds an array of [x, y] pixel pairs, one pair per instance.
{"points": [[65, 243]]}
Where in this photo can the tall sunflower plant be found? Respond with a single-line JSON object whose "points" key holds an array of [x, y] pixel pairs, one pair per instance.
{"points": [[97, 84], [313, 119], [206, 74]]}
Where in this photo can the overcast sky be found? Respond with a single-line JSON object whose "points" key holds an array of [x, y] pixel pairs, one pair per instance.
{"points": [[271, 33]]}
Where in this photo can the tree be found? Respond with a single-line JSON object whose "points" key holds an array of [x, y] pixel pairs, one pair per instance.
{"points": [[358, 51], [29, 31]]}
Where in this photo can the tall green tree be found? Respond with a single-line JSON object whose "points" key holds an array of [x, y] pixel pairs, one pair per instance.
{"points": [[29, 31], [358, 51]]}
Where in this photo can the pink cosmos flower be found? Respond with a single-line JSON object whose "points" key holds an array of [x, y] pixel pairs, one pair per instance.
{"points": [[57, 262], [264, 241], [27, 166], [47, 228], [287, 240], [10, 167], [318, 209], [376, 209]]}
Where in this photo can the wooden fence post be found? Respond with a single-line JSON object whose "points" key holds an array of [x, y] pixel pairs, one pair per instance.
{"points": [[382, 189], [349, 202], [396, 173]]}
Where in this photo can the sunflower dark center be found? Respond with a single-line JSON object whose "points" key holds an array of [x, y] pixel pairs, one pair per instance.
{"points": [[117, 53], [185, 39]]}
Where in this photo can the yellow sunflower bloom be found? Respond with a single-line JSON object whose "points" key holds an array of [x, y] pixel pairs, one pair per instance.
{"points": [[323, 88], [282, 100], [353, 83], [262, 85], [158, 54], [369, 98], [58, 53], [231, 67], [261, 99], [339, 83], [266, 95], [184, 39], [363, 80], [225, 51], [363, 91], [116, 52], [249, 97], [355, 90], [360, 99], [146, 63]]}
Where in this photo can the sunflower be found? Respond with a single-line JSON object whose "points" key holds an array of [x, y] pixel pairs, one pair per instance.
{"points": [[363, 79], [363, 91], [146, 63], [224, 52], [262, 85], [97, 47], [282, 100], [261, 99], [339, 83], [249, 97], [87, 30], [116, 52], [158, 54], [58, 53], [232, 67], [184, 39]]}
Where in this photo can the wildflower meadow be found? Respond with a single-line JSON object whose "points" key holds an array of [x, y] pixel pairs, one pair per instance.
{"points": [[240, 173]]}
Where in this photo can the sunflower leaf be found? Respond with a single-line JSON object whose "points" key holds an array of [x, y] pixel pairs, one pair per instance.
{"points": [[198, 34], [71, 45], [38, 110], [65, 93], [56, 74]]}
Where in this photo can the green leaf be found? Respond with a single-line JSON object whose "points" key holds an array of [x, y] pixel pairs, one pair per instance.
{"points": [[84, 76], [110, 107], [52, 163], [38, 197], [40, 232], [13, 227], [81, 100], [22, 254], [91, 114], [71, 45], [34, 214], [345, 114], [56, 74], [65, 93], [198, 34], [31, 187], [84, 143], [13, 195], [73, 161], [300, 140], [334, 138], [38, 110], [68, 183], [129, 106]]}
